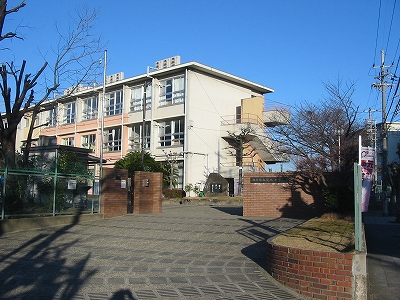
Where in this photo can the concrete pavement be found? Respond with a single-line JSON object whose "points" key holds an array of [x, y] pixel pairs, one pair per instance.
{"points": [[383, 256], [187, 252]]}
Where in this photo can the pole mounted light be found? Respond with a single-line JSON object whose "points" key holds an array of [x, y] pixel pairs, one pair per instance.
{"points": [[145, 85]]}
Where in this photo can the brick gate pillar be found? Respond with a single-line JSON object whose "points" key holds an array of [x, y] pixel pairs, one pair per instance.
{"points": [[147, 192], [114, 192]]}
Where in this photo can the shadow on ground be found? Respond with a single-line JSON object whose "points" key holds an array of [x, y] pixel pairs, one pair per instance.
{"points": [[231, 210], [38, 269], [377, 235]]}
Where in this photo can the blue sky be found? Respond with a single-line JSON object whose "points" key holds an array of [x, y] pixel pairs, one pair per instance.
{"points": [[290, 46]]}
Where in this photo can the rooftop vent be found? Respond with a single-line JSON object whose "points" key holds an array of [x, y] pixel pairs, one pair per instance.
{"points": [[168, 62], [114, 77]]}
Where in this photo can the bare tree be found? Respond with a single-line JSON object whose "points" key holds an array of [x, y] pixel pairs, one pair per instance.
{"points": [[239, 148], [3, 14], [314, 132], [75, 64]]}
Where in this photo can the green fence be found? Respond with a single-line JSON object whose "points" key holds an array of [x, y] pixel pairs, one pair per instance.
{"points": [[35, 192]]}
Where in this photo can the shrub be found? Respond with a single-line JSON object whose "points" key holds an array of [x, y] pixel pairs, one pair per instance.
{"points": [[174, 193], [339, 198]]}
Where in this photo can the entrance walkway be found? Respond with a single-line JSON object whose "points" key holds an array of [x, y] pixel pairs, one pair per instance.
{"points": [[383, 256], [187, 252]]}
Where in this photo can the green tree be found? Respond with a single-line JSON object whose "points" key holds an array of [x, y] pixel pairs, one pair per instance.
{"points": [[133, 162], [68, 163]]}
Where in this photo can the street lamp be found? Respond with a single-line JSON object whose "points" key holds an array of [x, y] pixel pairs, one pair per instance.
{"points": [[145, 85]]}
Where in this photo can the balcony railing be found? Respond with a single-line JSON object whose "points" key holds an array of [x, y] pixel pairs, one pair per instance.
{"points": [[242, 119]]}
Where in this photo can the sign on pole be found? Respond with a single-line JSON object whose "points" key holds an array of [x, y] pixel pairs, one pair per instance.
{"points": [[367, 168]]}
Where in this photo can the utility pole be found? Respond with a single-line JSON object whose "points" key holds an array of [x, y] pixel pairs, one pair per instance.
{"points": [[371, 130], [382, 86]]}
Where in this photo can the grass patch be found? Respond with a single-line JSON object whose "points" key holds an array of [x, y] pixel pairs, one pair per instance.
{"points": [[330, 233]]}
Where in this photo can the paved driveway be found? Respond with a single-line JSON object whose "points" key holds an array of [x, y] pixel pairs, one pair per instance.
{"points": [[187, 252]]}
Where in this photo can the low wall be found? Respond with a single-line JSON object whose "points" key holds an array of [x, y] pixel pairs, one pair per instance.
{"points": [[12, 225], [276, 195], [316, 274]]}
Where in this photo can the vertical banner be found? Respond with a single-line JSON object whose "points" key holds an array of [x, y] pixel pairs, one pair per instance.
{"points": [[367, 168]]}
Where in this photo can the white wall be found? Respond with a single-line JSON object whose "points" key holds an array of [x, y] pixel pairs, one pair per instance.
{"points": [[208, 100]]}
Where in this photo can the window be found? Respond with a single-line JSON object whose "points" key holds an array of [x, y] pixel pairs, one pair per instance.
{"points": [[89, 141], [114, 104], [69, 113], [172, 132], [69, 141], [136, 103], [172, 91], [113, 139], [52, 120], [90, 108], [136, 137]]}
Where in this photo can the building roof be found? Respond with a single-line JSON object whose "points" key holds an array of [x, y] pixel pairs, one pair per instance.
{"points": [[82, 153], [216, 73], [173, 70]]}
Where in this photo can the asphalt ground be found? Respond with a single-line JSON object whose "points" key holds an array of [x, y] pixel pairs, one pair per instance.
{"points": [[383, 256], [186, 252]]}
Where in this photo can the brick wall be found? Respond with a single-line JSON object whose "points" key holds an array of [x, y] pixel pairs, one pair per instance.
{"points": [[113, 197], [281, 195], [318, 275], [147, 192]]}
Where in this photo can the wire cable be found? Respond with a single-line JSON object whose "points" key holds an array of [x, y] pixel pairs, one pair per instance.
{"points": [[377, 30], [390, 27]]}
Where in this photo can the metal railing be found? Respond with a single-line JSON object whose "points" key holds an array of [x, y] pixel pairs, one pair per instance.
{"points": [[25, 193], [242, 119]]}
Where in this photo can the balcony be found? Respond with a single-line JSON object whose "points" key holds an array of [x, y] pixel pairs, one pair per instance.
{"points": [[253, 129]]}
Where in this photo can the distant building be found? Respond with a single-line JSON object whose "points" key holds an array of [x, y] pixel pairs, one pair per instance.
{"points": [[192, 110], [393, 138]]}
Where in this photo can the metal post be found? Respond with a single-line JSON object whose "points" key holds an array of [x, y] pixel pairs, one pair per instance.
{"points": [[144, 121], [102, 126], [384, 138], [94, 180], [55, 185], [357, 206], [3, 202]]}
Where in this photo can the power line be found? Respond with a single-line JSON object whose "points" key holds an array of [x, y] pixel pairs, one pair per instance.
{"points": [[377, 29], [390, 27]]}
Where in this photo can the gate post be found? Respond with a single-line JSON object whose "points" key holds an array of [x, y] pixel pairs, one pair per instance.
{"points": [[147, 198], [114, 192]]}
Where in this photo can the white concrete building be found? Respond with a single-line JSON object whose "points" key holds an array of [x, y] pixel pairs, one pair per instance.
{"points": [[192, 113]]}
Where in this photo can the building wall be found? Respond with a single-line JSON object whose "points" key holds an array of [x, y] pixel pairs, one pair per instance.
{"points": [[253, 107], [208, 100], [278, 195]]}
